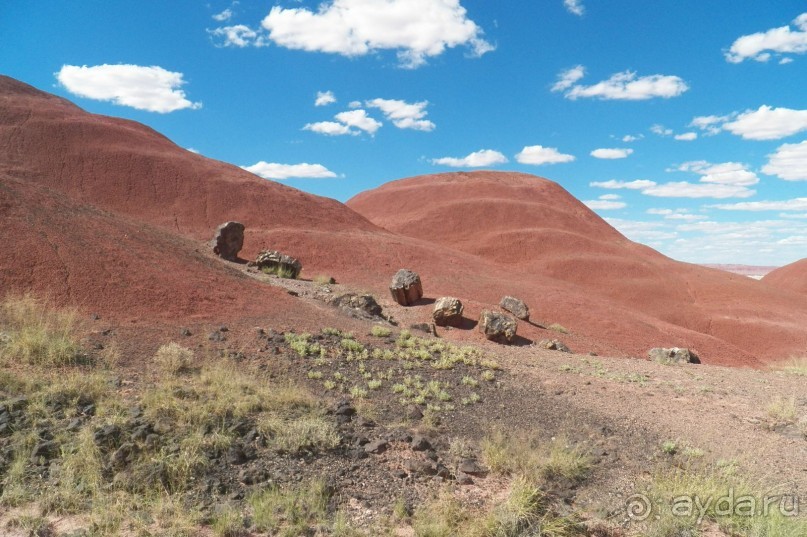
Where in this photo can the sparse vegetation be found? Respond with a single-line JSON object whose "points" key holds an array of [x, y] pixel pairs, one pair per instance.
{"points": [[279, 271], [36, 334], [557, 328], [380, 331], [782, 409], [322, 279], [794, 366]]}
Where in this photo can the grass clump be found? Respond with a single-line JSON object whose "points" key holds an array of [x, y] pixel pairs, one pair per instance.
{"points": [[279, 271], [782, 409], [555, 327], [33, 333], [794, 366], [290, 512], [173, 358], [380, 331], [322, 279], [519, 455]]}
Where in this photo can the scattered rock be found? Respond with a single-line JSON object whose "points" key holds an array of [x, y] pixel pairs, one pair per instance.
{"points": [[44, 450], [447, 312], [358, 306], [420, 443], [274, 262], [406, 288], [236, 455], [414, 413], [464, 479], [470, 467], [553, 345], [424, 327], [185, 332], [229, 240], [420, 467], [217, 337], [516, 307], [377, 447], [674, 355], [497, 326]]}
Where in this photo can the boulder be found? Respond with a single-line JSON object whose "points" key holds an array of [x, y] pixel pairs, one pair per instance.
{"points": [[229, 240], [447, 312], [358, 306], [515, 306], [553, 345], [497, 327], [274, 262], [674, 355], [406, 288]]}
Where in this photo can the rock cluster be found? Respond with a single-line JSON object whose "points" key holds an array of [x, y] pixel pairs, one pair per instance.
{"points": [[406, 288], [358, 306], [497, 327], [277, 263], [447, 312], [674, 355], [553, 345], [229, 240], [515, 306]]}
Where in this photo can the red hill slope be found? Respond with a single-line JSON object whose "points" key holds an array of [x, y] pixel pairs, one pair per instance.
{"points": [[535, 230], [111, 215], [792, 277]]}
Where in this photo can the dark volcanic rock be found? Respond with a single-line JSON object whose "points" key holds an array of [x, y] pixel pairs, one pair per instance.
{"points": [[497, 326], [229, 240], [516, 307], [359, 306]]}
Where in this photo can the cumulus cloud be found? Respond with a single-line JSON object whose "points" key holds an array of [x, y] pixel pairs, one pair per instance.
{"points": [[683, 189], [477, 159], [238, 35], [360, 120], [687, 136], [324, 98], [789, 162], [795, 204], [768, 123], [568, 78], [330, 128], [610, 197], [417, 29], [631, 138], [537, 155], [710, 124], [613, 184], [273, 170], [661, 130], [224, 15], [726, 173], [145, 88], [761, 45], [575, 7], [611, 153], [404, 115], [626, 86], [604, 205]]}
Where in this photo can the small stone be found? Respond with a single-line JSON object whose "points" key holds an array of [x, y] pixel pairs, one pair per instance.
{"points": [[464, 479], [471, 467], [236, 455], [414, 413], [376, 447], [553, 345], [424, 327], [185, 332], [420, 443]]}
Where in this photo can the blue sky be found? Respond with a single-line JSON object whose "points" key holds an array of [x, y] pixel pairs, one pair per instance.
{"points": [[682, 122]]}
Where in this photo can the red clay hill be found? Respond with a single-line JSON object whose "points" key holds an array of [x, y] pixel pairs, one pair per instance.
{"points": [[792, 277], [110, 215]]}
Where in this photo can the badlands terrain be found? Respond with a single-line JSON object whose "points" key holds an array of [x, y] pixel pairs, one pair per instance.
{"points": [[149, 387]]}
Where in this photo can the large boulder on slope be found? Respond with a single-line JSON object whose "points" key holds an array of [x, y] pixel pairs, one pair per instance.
{"points": [[674, 355], [406, 288], [273, 262], [498, 327], [515, 306], [229, 240], [447, 312]]}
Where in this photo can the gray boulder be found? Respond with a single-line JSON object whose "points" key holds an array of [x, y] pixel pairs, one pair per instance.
{"points": [[553, 345], [516, 307], [497, 327], [273, 262], [674, 355], [406, 288], [358, 306], [229, 240], [447, 312]]}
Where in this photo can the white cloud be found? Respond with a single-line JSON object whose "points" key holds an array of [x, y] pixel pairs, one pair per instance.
{"points": [[726, 173], [604, 205], [477, 159], [613, 184], [360, 120], [789, 162], [575, 7], [632, 138], [611, 153], [354, 104], [796, 204], [768, 123], [684, 189], [710, 124], [568, 78], [661, 130], [610, 197], [329, 128], [687, 136], [239, 35], [760, 45], [621, 86], [404, 115], [273, 170], [417, 29], [145, 88], [224, 15], [641, 231], [324, 98], [537, 155]]}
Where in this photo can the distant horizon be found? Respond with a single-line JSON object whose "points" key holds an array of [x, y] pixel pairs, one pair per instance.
{"points": [[680, 122]]}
